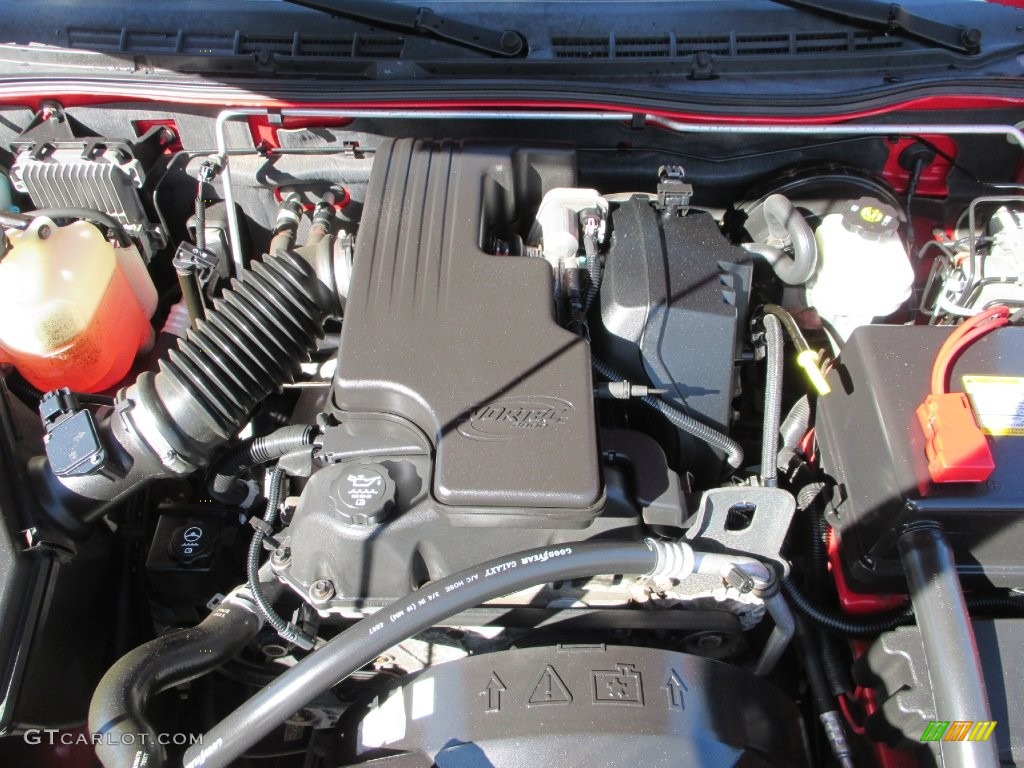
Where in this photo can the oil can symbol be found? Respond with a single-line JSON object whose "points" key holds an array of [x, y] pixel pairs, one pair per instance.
{"points": [[621, 685]]}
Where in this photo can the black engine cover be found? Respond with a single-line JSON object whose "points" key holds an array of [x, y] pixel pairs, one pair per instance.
{"points": [[465, 345], [577, 706]]}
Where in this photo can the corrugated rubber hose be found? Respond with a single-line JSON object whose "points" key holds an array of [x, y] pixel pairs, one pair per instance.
{"points": [[226, 484], [284, 628]]}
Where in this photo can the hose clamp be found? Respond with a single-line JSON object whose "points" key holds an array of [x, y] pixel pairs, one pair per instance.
{"points": [[139, 420]]}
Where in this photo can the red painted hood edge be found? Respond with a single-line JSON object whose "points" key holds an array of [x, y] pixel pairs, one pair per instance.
{"points": [[930, 103]]}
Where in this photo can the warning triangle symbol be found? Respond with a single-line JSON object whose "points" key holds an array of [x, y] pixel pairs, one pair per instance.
{"points": [[550, 689]]}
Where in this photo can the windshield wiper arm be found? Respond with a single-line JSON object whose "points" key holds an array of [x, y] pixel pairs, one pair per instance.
{"points": [[423, 21], [896, 18]]}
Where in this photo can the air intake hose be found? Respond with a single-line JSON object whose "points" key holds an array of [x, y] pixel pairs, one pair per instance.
{"points": [[170, 423]]}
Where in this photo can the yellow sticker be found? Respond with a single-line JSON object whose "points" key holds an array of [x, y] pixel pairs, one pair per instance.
{"points": [[871, 215], [998, 403]]}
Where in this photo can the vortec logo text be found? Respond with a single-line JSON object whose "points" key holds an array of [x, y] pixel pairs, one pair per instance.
{"points": [[511, 417]]}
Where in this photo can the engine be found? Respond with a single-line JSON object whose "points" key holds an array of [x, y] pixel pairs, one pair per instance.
{"points": [[494, 448], [471, 403]]}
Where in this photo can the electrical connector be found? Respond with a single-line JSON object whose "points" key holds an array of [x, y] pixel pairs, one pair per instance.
{"points": [[957, 449]]}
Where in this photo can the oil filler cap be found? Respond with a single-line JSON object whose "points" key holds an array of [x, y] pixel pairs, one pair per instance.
{"points": [[871, 219], [363, 494]]}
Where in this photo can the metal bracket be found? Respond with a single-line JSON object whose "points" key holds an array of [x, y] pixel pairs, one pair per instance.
{"points": [[748, 521]]}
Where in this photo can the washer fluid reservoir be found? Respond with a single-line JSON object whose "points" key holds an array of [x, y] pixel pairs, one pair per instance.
{"points": [[74, 310]]}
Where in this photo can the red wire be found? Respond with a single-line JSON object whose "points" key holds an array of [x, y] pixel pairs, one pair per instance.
{"points": [[963, 337], [844, 706], [807, 445]]}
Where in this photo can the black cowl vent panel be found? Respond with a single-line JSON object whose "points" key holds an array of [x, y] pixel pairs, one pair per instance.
{"points": [[465, 344]]}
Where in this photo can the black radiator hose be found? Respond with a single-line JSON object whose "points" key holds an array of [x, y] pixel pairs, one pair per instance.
{"points": [[226, 484], [122, 734], [169, 424]]}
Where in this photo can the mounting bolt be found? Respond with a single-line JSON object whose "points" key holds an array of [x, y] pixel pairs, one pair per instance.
{"points": [[511, 41], [971, 38], [321, 591], [281, 557]]}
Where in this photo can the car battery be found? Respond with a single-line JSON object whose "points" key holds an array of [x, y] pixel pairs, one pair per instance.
{"points": [[873, 448]]}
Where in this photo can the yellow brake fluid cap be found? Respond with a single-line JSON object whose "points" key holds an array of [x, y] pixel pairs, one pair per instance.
{"points": [[871, 219]]}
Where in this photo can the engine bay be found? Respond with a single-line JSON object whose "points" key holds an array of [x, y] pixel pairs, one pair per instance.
{"points": [[467, 437]]}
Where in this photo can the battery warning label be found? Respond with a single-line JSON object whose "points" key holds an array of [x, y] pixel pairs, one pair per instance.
{"points": [[998, 403]]}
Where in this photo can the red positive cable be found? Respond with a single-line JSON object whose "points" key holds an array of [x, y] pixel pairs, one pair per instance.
{"points": [[963, 337], [956, 447], [844, 707]]}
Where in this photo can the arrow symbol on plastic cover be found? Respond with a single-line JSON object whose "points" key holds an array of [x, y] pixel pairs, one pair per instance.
{"points": [[493, 691], [674, 688]]}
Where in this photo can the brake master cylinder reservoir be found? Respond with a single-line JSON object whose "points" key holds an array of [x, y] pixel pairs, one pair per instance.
{"points": [[863, 271], [74, 310]]}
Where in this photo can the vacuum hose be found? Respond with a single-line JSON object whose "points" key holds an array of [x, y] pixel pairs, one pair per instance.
{"points": [[117, 719], [591, 219], [435, 602], [787, 228]]}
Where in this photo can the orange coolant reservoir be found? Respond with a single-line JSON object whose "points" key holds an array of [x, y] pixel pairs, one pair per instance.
{"points": [[74, 310]]}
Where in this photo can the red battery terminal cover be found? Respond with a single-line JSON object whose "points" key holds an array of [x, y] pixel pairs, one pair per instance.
{"points": [[957, 449]]}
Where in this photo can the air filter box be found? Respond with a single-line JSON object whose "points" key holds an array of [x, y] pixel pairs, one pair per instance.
{"points": [[673, 305], [872, 445]]}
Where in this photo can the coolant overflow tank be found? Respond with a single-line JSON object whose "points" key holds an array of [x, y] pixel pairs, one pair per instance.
{"points": [[74, 310]]}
